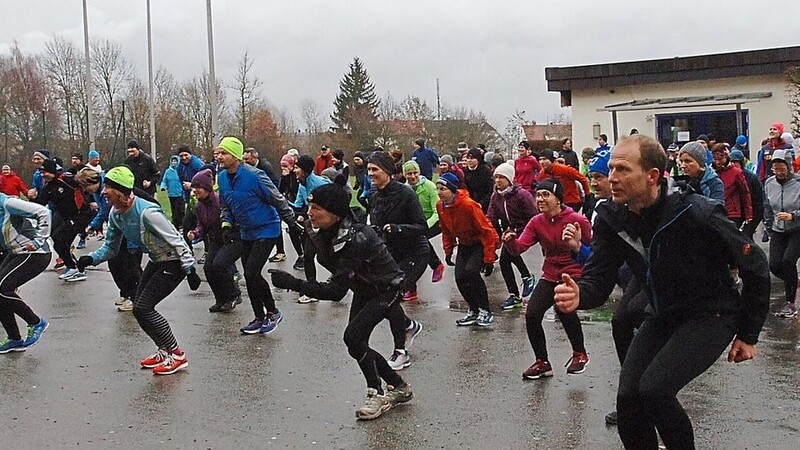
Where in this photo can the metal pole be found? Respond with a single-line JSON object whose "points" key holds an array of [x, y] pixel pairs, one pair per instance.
{"points": [[615, 126], [44, 129], [739, 127], [212, 79], [87, 78], [151, 94]]}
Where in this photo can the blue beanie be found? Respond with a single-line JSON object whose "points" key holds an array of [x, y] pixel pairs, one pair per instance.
{"points": [[599, 164], [93, 154], [741, 140], [737, 155], [449, 180]]}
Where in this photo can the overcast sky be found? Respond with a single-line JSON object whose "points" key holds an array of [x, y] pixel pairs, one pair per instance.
{"points": [[488, 55]]}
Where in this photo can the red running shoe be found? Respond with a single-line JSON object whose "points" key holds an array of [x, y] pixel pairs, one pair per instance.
{"points": [[437, 273], [539, 369], [577, 363], [154, 360], [176, 360]]}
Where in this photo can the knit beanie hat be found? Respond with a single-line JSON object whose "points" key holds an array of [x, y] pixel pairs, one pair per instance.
{"points": [[358, 154], [233, 146], [133, 143], [525, 144], [599, 164], [475, 153], [741, 140], [779, 155], [410, 166], [787, 137], [42, 153], [549, 154], [383, 161], [120, 178], [93, 154], [552, 186], [287, 160], [50, 166], [702, 137], [696, 151], [306, 163], [449, 180], [293, 153], [420, 142], [332, 198], [446, 159], [203, 179], [330, 173], [737, 155], [779, 126], [505, 170]]}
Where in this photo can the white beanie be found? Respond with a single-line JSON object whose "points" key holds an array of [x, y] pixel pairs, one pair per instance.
{"points": [[506, 170]]}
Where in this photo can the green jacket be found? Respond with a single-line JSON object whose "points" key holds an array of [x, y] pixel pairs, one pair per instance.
{"points": [[428, 197]]}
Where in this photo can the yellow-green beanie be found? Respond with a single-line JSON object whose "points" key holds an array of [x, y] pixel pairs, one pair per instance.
{"points": [[233, 146]]}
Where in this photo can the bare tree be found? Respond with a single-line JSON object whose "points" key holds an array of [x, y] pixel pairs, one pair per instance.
{"points": [[793, 94], [313, 119], [246, 86], [63, 65], [196, 105], [111, 73]]}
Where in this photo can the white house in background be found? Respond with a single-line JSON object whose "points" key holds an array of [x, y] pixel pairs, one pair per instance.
{"points": [[677, 99]]}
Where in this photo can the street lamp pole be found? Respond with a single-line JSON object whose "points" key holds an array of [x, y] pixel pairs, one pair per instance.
{"points": [[212, 79], [87, 81], [151, 94]]}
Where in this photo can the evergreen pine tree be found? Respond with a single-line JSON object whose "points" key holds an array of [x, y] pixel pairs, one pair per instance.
{"points": [[356, 104]]}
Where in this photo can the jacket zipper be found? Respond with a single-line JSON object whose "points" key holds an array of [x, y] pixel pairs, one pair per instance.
{"points": [[653, 295]]}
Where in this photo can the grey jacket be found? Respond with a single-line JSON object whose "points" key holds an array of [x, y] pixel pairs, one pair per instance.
{"points": [[782, 198]]}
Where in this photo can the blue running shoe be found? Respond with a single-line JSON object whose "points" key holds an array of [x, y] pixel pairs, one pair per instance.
{"points": [[12, 345], [253, 327], [35, 332], [271, 322], [528, 283]]}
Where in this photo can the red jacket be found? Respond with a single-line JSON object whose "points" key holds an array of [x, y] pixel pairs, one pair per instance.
{"points": [[738, 204], [567, 176], [463, 222], [526, 169], [13, 185], [323, 163], [547, 232]]}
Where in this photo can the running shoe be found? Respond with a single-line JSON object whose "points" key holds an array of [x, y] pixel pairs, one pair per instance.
{"points": [[374, 405], [528, 283], [438, 272], [68, 273], [577, 363], [411, 332], [154, 360], [765, 236], [81, 244], [485, 318], [59, 264], [539, 369], [236, 278], [511, 302], [550, 314], [788, 310], [77, 276], [410, 296], [277, 257], [12, 345], [253, 327], [202, 259], [300, 264], [399, 360], [216, 307], [120, 301], [126, 306], [175, 360], [611, 418], [35, 332], [469, 319], [304, 299], [398, 395], [271, 322]]}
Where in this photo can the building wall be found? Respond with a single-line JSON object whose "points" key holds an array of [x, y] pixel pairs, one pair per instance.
{"points": [[585, 104]]}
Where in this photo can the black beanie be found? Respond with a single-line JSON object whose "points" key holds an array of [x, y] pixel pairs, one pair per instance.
{"points": [[332, 198], [475, 153], [382, 160], [306, 163], [420, 142], [549, 154], [50, 166], [133, 143], [552, 186]]}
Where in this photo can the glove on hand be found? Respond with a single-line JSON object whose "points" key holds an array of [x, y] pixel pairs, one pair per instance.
{"points": [[283, 280], [193, 279]]}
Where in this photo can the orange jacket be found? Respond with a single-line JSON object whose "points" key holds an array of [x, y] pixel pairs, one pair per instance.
{"points": [[567, 176], [463, 222]]}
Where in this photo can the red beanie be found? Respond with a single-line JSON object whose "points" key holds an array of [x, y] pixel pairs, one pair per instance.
{"points": [[779, 126]]}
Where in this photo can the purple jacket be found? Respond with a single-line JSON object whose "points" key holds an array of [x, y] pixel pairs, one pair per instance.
{"points": [[209, 224], [513, 210]]}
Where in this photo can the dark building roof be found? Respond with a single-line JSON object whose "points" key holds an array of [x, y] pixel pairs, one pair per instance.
{"points": [[721, 65]]}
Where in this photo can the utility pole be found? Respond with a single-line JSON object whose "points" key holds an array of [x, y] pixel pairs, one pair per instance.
{"points": [[87, 78], [438, 102], [151, 94], [212, 79]]}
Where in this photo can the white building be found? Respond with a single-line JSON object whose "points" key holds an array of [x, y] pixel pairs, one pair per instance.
{"points": [[677, 99]]}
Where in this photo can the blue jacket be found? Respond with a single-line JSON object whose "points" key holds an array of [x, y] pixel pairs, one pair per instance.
{"points": [[712, 186], [38, 181], [427, 160], [250, 200], [187, 171], [311, 182], [17, 234], [172, 183]]}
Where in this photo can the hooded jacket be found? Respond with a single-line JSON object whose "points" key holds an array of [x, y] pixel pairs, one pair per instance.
{"points": [[171, 182], [19, 231], [305, 187], [567, 176], [463, 223], [711, 185], [738, 204], [397, 204], [209, 223], [547, 231], [428, 198], [782, 197], [511, 210], [764, 158], [13, 185], [66, 198], [526, 169]]}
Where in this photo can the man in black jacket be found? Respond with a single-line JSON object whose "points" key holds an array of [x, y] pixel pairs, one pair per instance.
{"points": [[756, 194], [358, 261], [145, 171], [680, 247]]}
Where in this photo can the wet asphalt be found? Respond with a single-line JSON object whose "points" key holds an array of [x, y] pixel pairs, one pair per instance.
{"points": [[81, 387]]}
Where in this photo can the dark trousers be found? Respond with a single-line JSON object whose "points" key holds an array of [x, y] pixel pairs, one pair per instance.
{"points": [[254, 256], [220, 258], [16, 270], [178, 207], [628, 316], [189, 223], [309, 253], [507, 259], [413, 265], [662, 359], [433, 258], [64, 232], [158, 281], [749, 228], [279, 247], [469, 262], [541, 300], [784, 251], [126, 270], [366, 312]]}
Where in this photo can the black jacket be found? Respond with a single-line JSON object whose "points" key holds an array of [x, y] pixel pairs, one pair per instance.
{"points": [[480, 184], [571, 158], [143, 168], [681, 248], [756, 193], [67, 198], [357, 259], [398, 204]]}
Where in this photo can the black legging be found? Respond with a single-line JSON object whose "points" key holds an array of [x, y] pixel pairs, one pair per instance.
{"points": [[254, 256], [507, 259], [16, 270], [749, 229], [662, 359], [366, 312], [178, 207], [219, 260], [541, 300], [64, 232], [784, 251], [469, 262], [158, 281], [309, 253], [628, 316], [126, 270], [433, 258], [413, 265]]}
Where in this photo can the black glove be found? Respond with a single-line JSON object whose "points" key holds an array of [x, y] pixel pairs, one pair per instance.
{"points": [[488, 269], [193, 279], [449, 260], [283, 280], [228, 235], [394, 228], [84, 262], [299, 226]]}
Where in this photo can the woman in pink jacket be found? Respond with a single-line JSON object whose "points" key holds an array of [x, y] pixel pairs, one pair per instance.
{"points": [[547, 229]]}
